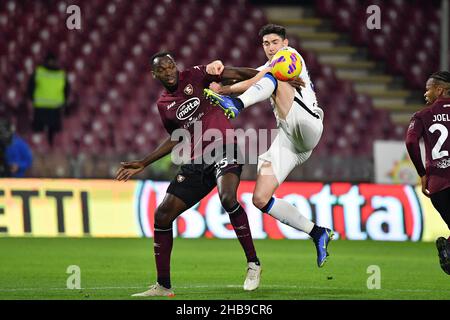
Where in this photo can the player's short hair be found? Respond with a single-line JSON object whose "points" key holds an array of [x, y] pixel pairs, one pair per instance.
{"points": [[443, 76], [159, 55], [273, 28]]}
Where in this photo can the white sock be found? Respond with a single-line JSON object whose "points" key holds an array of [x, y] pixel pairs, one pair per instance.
{"points": [[290, 215], [258, 92]]}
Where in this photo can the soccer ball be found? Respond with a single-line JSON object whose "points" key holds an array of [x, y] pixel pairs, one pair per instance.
{"points": [[286, 64]]}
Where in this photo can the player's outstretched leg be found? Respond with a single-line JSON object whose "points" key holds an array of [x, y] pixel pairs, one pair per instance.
{"points": [[260, 91], [443, 248], [230, 106], [285, 212]]}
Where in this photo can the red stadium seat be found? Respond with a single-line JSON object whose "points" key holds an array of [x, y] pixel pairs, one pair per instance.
{"points": [[108, 62]]}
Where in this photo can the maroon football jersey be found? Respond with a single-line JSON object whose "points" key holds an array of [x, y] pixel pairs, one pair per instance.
{"points": [[433, 125], [187, 107]]}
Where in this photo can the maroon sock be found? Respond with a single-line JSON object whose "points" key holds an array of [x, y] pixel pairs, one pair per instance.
{"points": [[162, 246], [239, 220]]}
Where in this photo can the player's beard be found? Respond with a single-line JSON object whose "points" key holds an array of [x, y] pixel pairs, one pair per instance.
{"points": [[172, 87]]}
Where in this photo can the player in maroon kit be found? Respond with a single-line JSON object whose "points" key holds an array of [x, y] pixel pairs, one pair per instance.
{"points": [[183, 106], [433, 125]]}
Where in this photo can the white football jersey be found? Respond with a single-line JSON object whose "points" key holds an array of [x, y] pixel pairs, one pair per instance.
{"points": [[308, 95]]}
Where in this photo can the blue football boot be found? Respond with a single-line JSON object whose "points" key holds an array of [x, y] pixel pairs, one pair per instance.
{"points": [[321, 243], [225, 102]]}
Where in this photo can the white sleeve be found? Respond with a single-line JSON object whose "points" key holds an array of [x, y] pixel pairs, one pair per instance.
{"points": [[263, 66], [293, 50]]}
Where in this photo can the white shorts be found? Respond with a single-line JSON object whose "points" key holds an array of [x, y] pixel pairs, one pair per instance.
{"points": [[297, 136]]}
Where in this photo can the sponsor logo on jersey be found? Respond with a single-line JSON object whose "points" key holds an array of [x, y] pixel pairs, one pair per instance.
{"points": [[443, 164], [189, 90], [187, 108]]}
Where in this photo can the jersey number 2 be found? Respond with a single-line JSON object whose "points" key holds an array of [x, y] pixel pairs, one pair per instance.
{"points": [[436, 153]]}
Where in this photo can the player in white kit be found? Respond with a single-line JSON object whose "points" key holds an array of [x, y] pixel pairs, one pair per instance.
{"points": [[299, 120]]}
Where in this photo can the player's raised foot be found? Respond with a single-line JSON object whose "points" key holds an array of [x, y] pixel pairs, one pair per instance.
{"points": [[155, 290], [253, 276], [443, 248], [226, 103], [321, 242]]}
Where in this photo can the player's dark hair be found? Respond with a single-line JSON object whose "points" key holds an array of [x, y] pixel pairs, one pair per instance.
{"points": [[273, 28], [159, 55], [443, 76]]}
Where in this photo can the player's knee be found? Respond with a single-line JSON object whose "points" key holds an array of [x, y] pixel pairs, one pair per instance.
{"points": [[260, 200], [163, 218], [272, 78], [228, 200]]}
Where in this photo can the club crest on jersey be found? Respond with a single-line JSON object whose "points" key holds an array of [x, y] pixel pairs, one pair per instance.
{"points": [[187, 108], [189, 90], [180, 178]]}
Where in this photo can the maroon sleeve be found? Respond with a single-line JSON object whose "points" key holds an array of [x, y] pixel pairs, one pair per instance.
{"points": [[168, 125], [206, 78], [413, 135]]}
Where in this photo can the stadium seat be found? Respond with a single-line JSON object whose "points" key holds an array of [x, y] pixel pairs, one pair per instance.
{"points": [[115, 93]]}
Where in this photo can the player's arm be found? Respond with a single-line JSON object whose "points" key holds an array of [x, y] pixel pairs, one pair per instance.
{"points": [[239, 74], [413, 135], [129, 169], [216, 68], [242, 86], [239, 87]]}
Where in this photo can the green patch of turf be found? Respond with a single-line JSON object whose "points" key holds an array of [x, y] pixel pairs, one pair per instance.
{"points": [[35, 268]]}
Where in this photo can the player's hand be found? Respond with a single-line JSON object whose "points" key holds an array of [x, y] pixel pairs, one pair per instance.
{"points": [[215, 68], [425, 191], [216, 87], [129, 169], [297, 83]]}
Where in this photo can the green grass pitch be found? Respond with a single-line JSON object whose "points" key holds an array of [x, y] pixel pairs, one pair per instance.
{"points": [[35, 268]]}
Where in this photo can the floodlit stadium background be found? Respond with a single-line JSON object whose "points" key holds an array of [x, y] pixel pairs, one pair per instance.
{"points": [[358, 181]]}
